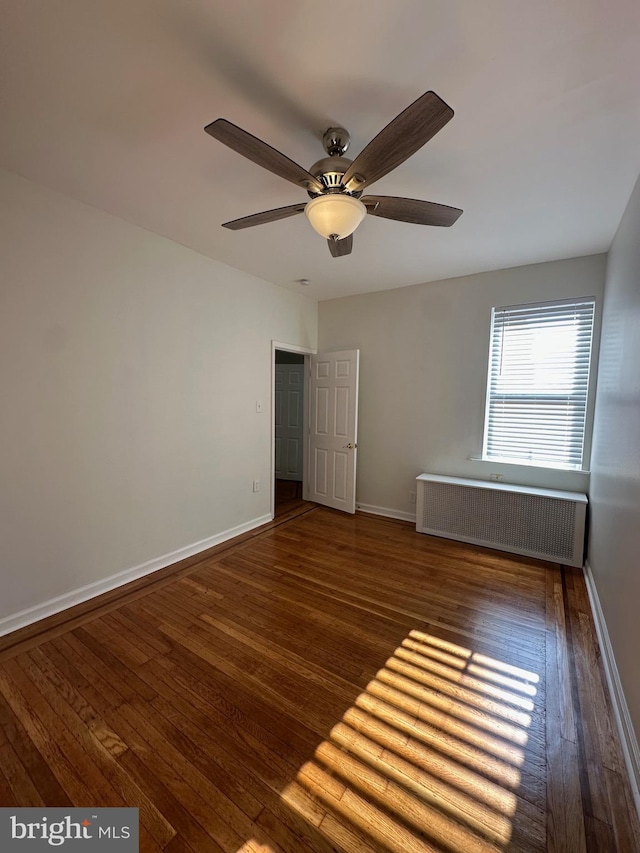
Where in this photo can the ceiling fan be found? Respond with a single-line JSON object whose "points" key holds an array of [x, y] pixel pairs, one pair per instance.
{"points": [[335, 183]]}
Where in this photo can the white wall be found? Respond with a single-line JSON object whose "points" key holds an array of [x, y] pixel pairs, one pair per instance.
{"points": [[130, 367], [423, 373], [614, 547]]}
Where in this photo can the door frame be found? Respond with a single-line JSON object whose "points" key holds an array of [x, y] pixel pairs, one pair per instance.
{"points": [[306, 351]]}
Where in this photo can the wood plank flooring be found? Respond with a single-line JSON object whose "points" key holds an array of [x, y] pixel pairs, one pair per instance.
{"points": [[333, 683]]}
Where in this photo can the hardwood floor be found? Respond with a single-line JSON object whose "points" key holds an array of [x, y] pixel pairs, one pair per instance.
{"points": [[332, 683], [288, 497]]}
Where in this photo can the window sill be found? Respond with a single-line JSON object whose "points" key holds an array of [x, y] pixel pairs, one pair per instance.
{"points": [[522, 463]]}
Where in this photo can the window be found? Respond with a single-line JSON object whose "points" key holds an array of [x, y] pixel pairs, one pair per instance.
{"points": [[538, 383]]}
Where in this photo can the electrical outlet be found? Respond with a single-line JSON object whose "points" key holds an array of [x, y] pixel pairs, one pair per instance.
{"points": [[258, 407], [256, 485], [412, 497], [496, 477]]}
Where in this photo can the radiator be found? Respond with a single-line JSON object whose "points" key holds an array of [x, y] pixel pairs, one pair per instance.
{"points": [[542, 523]]}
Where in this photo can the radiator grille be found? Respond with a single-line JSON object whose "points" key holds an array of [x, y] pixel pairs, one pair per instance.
{"points": [[538, 525]]}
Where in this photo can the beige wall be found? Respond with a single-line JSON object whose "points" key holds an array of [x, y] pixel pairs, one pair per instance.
{"points": [[423, 372], [130, 367], [614, 548]]}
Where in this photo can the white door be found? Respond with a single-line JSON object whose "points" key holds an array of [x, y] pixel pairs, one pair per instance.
{"points": [[333, 426], [289, 409]]}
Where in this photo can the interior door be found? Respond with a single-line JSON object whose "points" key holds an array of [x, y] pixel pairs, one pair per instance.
{"points": [[289, 410], [333, 422]]}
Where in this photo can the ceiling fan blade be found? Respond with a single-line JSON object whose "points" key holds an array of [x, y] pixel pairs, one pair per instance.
{"points": [[264, 155], [266, 216], [411, 210], [398, 140], [338, 248]]}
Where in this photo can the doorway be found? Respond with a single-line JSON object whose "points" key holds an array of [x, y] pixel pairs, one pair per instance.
{"points": [[288, 412], [289, 425], [318, 392]]}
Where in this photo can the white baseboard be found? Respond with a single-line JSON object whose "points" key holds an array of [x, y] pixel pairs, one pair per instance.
{"points": [[621, 710], [84, 593], [389, 513]]}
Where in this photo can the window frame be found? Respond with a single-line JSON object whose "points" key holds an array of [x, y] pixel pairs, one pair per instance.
{"points": [[583, 465]]}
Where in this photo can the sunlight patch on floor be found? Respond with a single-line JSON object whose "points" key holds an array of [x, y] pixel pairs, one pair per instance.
{"points": [[428, 757], [253, 846]]}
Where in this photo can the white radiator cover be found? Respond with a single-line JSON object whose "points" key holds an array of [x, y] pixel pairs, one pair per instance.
{"points": [[543, 523]]}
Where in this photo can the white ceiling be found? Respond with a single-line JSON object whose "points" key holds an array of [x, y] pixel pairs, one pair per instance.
{"points": [[106, 101]]}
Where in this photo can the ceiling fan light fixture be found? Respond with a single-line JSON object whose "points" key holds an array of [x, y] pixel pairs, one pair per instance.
{"points": [[335, 215], [335, 182]]}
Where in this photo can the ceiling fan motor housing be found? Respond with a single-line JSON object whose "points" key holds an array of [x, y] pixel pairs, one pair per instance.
{"points": [[330, 171]]}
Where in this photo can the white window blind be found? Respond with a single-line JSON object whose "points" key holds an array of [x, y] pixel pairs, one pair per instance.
{"points": [[538, 383]]}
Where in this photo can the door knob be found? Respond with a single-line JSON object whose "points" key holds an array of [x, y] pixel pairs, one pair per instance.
{"points": [[350, 446]]}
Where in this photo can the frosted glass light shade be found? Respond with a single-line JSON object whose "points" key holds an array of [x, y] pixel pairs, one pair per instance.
{"points": [[335, 215]]}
